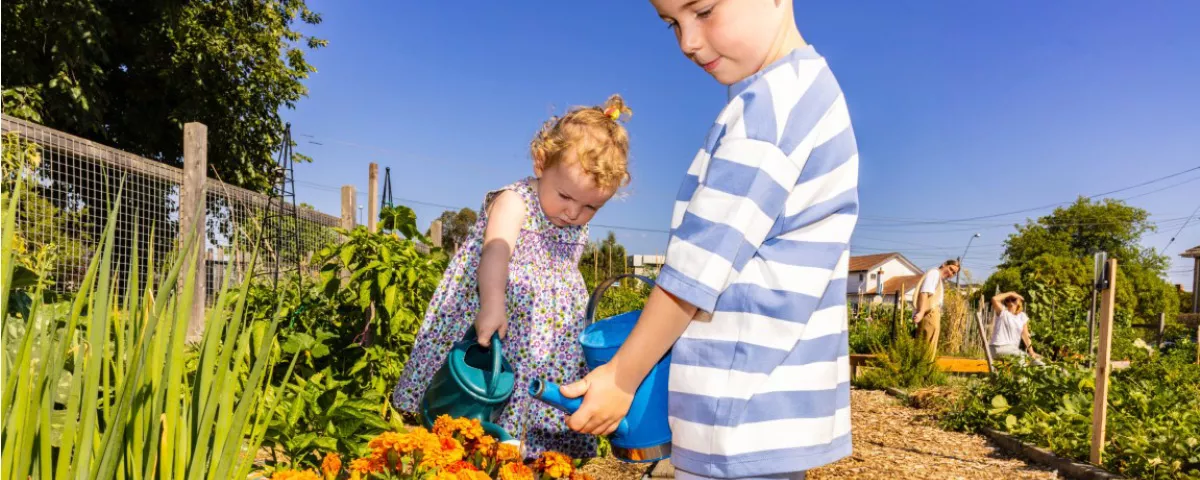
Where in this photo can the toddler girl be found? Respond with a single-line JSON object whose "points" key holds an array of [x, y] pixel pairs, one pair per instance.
{"points": [[517, 274]]}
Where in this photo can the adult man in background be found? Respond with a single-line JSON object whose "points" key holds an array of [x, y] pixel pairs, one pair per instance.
{"points": [[927, 312]]}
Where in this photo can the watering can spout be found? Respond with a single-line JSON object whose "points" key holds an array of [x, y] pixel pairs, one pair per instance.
{"points": [[549, 393]]}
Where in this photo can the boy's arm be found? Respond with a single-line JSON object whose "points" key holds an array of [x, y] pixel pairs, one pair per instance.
{"points": [[663, 320]]}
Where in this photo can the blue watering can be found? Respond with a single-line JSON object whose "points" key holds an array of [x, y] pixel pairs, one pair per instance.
{"points": [[643, 435], [474, 383]]}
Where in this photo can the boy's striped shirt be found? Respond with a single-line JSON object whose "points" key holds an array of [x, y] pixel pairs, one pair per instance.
{"points": [[760, 238]]}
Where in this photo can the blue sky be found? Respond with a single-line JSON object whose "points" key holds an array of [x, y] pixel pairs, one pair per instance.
{"points": [[961, 109]]}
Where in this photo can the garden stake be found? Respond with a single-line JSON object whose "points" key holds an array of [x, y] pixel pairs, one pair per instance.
{"points": [[1108, 300]]}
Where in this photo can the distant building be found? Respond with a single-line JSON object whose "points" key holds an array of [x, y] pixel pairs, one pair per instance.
{"points": [[646, 265], [881, 277]]}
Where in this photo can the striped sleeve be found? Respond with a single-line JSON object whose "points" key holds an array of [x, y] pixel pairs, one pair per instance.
{"points": [[743, 189]]}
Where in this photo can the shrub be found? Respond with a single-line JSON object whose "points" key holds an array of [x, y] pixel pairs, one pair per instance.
{"points": [[905, 363]]}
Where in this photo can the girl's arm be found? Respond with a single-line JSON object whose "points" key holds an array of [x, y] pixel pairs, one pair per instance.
{"points": [[998, 301], [1027, 339], [505, 216]]}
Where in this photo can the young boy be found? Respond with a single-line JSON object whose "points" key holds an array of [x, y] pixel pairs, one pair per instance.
{"points": [[751, 301]]}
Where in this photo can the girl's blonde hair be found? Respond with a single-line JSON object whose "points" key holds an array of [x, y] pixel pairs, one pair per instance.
{"points": [[596, 137]]}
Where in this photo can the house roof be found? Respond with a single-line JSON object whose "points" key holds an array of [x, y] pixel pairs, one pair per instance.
{"points": [[865, 262], [1193, 252], [892, 285], [862, 263]]}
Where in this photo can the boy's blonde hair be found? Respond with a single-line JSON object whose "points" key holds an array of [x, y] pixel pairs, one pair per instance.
{"points": [[595, 135]]}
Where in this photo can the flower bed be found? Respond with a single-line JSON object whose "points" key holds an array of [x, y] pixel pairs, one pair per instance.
{"points": [[456, 449]]}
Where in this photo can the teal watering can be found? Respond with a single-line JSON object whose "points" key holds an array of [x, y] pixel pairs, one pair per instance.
{"points": [[474, 383], [644, 435]]}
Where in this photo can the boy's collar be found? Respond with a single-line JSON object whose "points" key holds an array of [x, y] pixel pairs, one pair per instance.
{"points": [[807, 52]]}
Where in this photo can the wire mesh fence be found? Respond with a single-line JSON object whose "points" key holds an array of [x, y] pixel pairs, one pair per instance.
{"points": [[72, 184]]}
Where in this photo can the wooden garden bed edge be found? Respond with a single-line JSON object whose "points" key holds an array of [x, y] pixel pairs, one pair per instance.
{"points": [[1069, 468]]}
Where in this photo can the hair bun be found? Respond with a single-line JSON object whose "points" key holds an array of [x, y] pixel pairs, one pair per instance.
{"points": [[615, 108]]}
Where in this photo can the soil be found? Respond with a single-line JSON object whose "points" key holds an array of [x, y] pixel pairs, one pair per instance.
{"points": [[892, 441]]}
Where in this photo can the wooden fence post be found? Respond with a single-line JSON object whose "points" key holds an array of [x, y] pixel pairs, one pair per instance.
{"points": [[435, 234], [348, 206], [1108, 300], [191, 218], [1162, 326], [372, 196]]}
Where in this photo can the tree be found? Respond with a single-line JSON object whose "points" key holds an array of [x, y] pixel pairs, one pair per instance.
{"points": [[455, 227], [130, 74], [1054, 253], [602, 260]]}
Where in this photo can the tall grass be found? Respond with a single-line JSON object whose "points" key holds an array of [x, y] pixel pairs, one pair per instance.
{"points": [[107, 388]]}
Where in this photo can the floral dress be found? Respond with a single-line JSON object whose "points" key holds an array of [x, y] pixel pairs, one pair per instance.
{"points": [[546, 302]]}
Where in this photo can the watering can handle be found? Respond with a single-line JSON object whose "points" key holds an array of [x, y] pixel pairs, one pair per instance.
{"points": [[590, 315], [497, 365]]}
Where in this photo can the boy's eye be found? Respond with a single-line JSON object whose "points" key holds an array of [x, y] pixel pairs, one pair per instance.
{"points": [[704, 13], [671, 24]]}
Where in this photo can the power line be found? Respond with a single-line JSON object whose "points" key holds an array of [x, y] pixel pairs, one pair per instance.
{"points": [[981, 217], [1194, 212]]}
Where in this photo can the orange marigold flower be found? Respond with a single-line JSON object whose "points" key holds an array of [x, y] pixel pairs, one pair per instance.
{"points": [[507, 452], [484, 444], [416, 439], [331, 465], [473, 475], [443, 452], [515, 471], [460, 465], [365, 466], [578, 475], [556, 465], [472, 430], [384, 442], [444, 425], [444, 475], [295, 475]]}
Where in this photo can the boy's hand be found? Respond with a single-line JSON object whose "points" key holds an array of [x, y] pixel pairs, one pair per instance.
{"points": [[605, 403], [488, 322]]}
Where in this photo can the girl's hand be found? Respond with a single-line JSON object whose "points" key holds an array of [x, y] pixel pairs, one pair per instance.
{"points": [[604, 402], [490, 321]]}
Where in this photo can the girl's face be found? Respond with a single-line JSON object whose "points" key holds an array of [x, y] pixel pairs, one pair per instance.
{"points": [[569, 196], [1014, 306]]}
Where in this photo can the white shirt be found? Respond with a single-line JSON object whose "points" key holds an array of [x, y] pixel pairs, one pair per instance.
{"points": [[1007, 330], [931, 283]]}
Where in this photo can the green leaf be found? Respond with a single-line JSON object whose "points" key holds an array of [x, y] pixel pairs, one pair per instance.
{"points": [[384, 278], [347, 253], [1010, 422], [390, 297]]}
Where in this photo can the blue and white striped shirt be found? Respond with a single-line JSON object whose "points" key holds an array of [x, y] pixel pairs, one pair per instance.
{"points": [[760, 239]]}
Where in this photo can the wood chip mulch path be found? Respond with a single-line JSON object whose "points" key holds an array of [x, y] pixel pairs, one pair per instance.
{"points": [[892, 441]]}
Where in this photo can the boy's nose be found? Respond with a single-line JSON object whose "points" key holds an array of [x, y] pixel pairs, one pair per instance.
{"points": [[690, 41]]}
